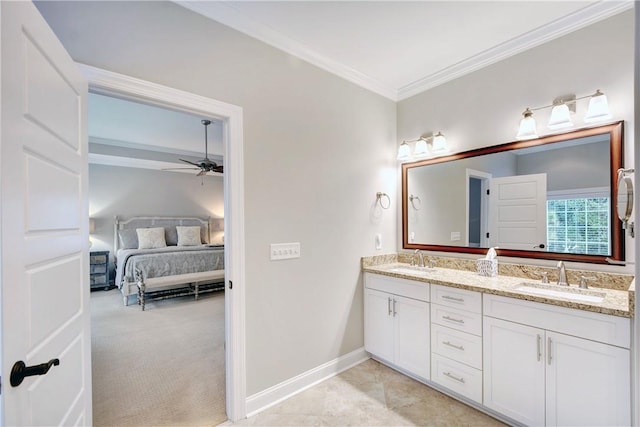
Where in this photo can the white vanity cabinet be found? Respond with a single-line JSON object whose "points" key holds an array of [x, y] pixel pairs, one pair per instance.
{"points": [[456, 340], [396, 327], [548, 365]]}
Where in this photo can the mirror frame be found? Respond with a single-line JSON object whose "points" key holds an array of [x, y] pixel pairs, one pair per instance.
{"points": [[616, 148]]}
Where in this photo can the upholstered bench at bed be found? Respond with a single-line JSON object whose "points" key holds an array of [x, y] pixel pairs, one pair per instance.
{"points": [[153, 284]]}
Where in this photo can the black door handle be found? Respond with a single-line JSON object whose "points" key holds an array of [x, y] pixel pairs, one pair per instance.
{"points": [[20, 370], [541, 246]]}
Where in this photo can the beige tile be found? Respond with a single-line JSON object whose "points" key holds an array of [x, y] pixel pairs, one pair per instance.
{"points": [[371, 394]]}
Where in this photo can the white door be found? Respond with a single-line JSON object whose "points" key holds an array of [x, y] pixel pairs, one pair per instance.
{"points": [[411, 331], [588, 383], [44, 224], [378, 324], [518, 212], [514, 369]]}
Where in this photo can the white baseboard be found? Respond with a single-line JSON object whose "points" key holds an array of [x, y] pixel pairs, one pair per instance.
{"points": [[262, 400]]}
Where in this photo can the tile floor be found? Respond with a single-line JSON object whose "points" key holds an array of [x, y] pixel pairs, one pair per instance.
{"points": [[370, 394]]}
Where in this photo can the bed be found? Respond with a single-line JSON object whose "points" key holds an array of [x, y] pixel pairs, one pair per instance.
{"points": [[165, 255]]}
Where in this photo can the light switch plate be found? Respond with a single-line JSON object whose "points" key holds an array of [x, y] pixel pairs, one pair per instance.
{"points": [[281, 251]]}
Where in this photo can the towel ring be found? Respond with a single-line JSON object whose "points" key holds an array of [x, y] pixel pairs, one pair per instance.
{"points": [[379, 197], [412, 198]]}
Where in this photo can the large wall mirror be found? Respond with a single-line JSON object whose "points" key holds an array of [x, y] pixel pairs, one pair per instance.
{"points": [[550, 198]]}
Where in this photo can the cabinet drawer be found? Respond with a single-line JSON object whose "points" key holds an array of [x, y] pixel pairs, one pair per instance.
{"points": [[456, 345], [100, 279], [98, 259], [457, 377], [458, 298], [461, 320], [406, 288], [100, 268]]}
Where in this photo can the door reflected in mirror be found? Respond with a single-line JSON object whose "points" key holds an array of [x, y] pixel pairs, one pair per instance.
{"points": [[549, 198]]}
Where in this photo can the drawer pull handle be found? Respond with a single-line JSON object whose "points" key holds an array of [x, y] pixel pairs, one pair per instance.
{"points": [[453, 320], [394, 308], [450, 298], [388, 306], [458, 347], [539, 347], [549, 350], [453, 377]]}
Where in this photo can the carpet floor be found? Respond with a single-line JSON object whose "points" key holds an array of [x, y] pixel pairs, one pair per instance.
{"points": [[160, 367]]}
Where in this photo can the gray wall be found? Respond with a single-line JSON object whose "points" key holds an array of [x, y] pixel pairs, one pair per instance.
{"points": [[569, 168], [484, 108], [128, 192], [317, 149]]}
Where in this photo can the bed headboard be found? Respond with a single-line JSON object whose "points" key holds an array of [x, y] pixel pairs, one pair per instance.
{"points": [[169, 224]]}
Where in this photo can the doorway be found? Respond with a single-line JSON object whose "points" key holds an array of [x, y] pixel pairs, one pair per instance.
{"points": [[120, 86], [477, 208]]}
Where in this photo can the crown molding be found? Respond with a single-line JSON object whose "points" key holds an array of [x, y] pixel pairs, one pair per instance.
{"points": [[227, 14], [558, 28]]}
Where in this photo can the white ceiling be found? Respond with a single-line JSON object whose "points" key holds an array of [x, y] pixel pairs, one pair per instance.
{"points": [[401, 48], [394, 48]]}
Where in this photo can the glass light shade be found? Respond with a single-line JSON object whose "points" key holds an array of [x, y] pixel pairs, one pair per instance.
{"points": [[421, 148], [404, 151], [560, 117], [439, 143], [527, 128], [598, 108]]}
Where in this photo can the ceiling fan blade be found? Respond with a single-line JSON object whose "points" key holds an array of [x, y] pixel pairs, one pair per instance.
{"points": [[219, 169], [179, 169], [191, 163]]}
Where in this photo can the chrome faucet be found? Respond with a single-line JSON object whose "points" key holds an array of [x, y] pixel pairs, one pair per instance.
{"points": [[562, 274], [420, 257]]}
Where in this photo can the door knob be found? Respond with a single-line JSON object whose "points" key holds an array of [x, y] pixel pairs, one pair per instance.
{"points": [[20, 371], [541, 246]]}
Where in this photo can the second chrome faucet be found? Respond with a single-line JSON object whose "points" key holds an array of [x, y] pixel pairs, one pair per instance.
{"points": [[562, 274]]}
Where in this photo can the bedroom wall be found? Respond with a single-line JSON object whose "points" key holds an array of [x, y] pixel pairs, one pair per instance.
{"points": [[484, 108], [128, 192], [316, 150]]}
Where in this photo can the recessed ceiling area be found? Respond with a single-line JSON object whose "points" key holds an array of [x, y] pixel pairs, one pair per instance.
{"points": [[133, 134]]}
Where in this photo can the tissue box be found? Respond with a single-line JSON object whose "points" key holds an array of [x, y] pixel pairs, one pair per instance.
{"points": [[487, 267]]}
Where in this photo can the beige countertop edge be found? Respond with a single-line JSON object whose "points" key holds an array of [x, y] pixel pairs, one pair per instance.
{"points": [[616, 303]]}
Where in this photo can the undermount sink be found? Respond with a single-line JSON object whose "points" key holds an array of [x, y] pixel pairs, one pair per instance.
{"points": [[410, 269], [572, 293]]}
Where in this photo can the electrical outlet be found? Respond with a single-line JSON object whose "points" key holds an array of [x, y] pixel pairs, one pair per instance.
{"points": [[281, 251], [455, 236], [378, 241]]}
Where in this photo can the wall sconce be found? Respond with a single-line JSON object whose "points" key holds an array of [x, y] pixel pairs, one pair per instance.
{"points": [[561, 109], [421, 149]]}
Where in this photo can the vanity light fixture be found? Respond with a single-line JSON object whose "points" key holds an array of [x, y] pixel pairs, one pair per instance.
{"points": [[421, 148], [561, 109]]}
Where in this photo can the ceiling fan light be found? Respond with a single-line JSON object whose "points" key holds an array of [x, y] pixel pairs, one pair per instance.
{"points": [[560, 117], [404, 151], [527, 128], [598, 108]]}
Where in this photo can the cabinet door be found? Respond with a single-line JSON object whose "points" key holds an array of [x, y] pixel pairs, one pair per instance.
{"points": [[411, 331], [378, 324], [514, 370], [588, 383]]}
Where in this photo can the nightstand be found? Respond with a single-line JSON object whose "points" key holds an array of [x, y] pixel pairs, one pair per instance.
{"points": [[99, 270]]}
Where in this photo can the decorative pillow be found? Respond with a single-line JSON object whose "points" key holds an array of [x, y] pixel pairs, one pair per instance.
{"points": [[171, 235], [128, 238], [151, 238], [188, 236]]}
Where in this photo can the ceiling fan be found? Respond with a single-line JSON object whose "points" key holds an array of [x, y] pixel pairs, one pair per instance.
{"points": [[204, 165]]}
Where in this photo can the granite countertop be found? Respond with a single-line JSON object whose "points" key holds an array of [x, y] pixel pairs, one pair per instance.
{"points": [[616, 302]]}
